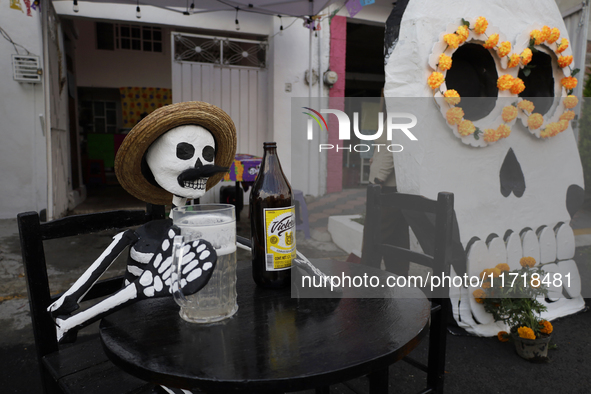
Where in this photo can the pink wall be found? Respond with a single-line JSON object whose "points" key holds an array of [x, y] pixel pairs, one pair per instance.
{"points": [[338, 52]]}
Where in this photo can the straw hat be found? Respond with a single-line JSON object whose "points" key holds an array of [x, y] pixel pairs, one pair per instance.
{"points": [[128, 161]]}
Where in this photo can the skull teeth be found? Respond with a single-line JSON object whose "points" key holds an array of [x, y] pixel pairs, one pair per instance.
{"points": [[552, 246], [198, 184]]}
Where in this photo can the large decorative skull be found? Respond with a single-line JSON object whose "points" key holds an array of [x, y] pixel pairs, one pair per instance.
{"points": [[179, 160], [514, 196]]}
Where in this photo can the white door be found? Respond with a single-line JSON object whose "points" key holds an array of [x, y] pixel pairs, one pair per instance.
{"points": [[229, 73]]}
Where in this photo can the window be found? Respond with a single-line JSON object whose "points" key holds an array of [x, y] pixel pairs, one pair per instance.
{"points": [[101, 116], [129, 37]]}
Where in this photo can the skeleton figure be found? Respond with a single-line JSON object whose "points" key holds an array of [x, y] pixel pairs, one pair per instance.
{"points": [[514, 197], [180, 161]]}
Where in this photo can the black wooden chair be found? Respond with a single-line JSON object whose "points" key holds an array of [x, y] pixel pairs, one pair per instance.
{"points": [[432, 222], [82, 366]]}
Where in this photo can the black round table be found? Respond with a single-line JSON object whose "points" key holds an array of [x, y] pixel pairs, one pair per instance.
{"points": [[274, 343]]}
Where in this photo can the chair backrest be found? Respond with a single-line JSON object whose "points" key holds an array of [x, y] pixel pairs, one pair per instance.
{"points": [[33, 233], [431, 221]]}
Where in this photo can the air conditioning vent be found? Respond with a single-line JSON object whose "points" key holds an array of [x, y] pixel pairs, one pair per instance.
{"points": [[26, 68]]}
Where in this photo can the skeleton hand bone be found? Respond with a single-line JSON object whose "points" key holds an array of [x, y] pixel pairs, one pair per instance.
{"points": [[197, 266]]}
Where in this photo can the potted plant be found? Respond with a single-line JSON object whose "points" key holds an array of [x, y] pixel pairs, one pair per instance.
{"points": [[511, 296]]}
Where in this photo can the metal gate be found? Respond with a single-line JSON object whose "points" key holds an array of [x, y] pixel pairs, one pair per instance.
{"points": [[229, 73]]}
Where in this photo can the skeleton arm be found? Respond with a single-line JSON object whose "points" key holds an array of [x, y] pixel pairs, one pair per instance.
{"points": [[68, 302], [197, 265]]}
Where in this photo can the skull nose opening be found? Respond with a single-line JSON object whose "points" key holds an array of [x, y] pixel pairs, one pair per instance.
{"points": [[539, 82], [198, 163], [511, 176]]}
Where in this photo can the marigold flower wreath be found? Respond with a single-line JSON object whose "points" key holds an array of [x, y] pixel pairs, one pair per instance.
{"points": [[478, 30]]}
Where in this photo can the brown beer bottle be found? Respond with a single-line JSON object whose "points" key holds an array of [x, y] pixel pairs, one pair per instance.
{"points": [[272, 219]]}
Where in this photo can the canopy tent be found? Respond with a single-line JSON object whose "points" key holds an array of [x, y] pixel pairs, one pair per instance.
{"points": [[295, 8]]}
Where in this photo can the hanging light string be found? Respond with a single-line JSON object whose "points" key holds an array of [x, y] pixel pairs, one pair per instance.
{"points": [[75, 6], [138, 12], [236, 21]]}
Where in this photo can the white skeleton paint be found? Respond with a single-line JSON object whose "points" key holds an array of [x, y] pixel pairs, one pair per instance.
{"points": [[149, 270], [493, 228]]}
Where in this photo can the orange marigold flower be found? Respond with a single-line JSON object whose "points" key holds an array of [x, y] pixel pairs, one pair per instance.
{"points": [[562, 125], [486, 285], [480, 25], [454, 115], [554, 36], [509, 113], [444, 62], [537, 36], [526, 105], [479, 296], [505, 82], [545, 33], [435, 79], [513, 60], [485, 274], [527, 261], [526, 56], [496, 272], [492, 41], [452, 40], [546, 327], [490, 135], [503, 131], [518, 86], [569, 82], [570, 101], [466, 127], [551, 130], [504, 49], [564, 61], [526, 332], [503, 336], [452, 97], [535, 283], [463, 33], [535, 121], [567, 115], [503, 267], [562, 45]]}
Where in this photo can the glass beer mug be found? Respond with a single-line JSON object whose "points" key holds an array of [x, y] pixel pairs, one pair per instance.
{"points": [[215, 223]]}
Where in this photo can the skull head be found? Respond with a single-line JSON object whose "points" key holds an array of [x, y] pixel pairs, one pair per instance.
{"points": [[181, 160], [514, 197]]}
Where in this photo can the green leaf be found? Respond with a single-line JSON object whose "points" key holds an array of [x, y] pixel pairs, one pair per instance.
{"points": [[465, 23], [575, 72], [526, 71], [532, 42]]}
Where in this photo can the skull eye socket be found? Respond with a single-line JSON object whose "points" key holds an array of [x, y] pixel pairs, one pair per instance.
{"points": [[185, 151], [208, 153], [474, 74], [539, 83]]}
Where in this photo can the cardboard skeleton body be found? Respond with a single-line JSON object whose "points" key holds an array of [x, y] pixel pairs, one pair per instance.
{"points": [[178, 158], [174, 154], [514, 196]]}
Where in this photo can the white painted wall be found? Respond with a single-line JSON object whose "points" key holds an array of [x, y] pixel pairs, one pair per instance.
{"points": [[289, 61], [119, 68], [22, 151]]}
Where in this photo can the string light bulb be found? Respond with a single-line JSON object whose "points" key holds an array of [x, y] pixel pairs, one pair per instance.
{"points": [[75, 6], [280, 22], [138, 12], [236, 21]]}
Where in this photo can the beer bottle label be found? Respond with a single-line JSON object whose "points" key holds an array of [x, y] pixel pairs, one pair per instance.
{"points": [[280, 245]]}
